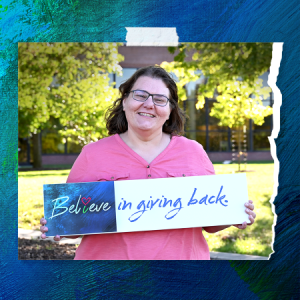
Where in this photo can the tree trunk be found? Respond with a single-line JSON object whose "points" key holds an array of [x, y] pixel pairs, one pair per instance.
{"points": [[37, 151], [239, 147], [192, 119]]}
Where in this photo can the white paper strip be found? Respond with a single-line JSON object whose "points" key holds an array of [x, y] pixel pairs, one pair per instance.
{"points": [[151, 36]]}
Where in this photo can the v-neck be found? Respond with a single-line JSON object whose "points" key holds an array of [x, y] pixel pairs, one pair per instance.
{"points": [[138, 157]]}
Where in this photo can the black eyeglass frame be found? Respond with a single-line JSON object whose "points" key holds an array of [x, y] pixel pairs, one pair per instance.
{"points": [[149, 96]]}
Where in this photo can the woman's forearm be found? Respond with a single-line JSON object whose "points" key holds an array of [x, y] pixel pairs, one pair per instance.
{"points": [[213, 229], [71, 236]]}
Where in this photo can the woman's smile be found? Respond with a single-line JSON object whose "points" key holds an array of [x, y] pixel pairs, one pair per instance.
{"points": [[145, 116]]}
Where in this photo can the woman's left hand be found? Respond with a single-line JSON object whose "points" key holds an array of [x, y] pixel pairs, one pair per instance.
{"points": [[249, 210]]}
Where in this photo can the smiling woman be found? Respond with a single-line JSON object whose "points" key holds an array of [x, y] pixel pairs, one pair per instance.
{"points": [[145, 125], [144, 111], [116, 118], [146, 119]]}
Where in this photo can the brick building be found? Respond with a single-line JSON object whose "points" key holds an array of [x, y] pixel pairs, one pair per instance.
{"points": [[216, 140]]}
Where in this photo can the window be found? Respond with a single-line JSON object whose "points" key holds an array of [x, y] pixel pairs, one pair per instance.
{"points": [[218, 141], [203, 128], [127, 73], [261, 141]]}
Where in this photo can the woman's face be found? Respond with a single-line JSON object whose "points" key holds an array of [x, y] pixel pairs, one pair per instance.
{"points": [[146, 117]]}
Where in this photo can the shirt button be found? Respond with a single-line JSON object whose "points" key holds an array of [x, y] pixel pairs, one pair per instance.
{"points": [[112, 178], [148, 166], [183, 175], [149, 175]]}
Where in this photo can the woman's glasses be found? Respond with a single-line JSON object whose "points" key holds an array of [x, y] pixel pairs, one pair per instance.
{"points": [[142, 96]]}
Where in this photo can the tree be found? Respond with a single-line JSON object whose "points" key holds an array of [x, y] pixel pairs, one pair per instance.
{"points": [[68, 82], [232, 71]]}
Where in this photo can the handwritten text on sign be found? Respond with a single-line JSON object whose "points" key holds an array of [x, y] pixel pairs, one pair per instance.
{"points": [[151, 204]]}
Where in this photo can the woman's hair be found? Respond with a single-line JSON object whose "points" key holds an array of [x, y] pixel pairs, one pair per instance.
{"points": [[116, 121]]}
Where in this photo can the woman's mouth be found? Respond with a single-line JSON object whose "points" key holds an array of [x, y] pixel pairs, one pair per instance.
{"points": [[146, 115]]}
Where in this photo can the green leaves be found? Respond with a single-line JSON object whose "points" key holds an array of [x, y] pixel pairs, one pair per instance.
{"points": [[69, 82], [232, 71], [238, 101]]}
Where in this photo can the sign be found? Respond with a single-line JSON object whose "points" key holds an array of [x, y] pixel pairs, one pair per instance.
{"points": [[146, 204]]}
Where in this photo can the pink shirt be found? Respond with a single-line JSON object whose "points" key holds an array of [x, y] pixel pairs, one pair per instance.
{"points": [[111, 159]]}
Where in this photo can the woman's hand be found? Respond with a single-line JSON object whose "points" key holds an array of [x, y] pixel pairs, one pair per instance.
{"points": [[44, 229], [249, 210]]}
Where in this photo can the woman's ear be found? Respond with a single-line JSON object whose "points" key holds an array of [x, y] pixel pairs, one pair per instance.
{"points": [[123, 104]]}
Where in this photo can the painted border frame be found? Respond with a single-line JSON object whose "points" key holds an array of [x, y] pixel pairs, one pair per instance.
{"points": [[197, 21]]}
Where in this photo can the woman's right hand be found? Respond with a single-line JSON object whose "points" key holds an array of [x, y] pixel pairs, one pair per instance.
{"points": [[44, 229]]}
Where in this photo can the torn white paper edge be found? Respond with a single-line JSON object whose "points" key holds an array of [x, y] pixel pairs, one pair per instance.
{"points": [[144, 36], [151, 36], [274, 71]]}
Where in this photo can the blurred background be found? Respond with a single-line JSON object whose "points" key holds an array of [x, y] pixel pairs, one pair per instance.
{"points": [[65, 89]]}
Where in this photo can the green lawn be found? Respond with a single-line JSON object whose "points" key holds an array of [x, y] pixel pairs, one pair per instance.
{"points": [[30, 204], [255, 240]]}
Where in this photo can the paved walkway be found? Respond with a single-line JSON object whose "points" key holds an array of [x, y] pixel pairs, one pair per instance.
{"points": [[234, 256], [35, 234]]}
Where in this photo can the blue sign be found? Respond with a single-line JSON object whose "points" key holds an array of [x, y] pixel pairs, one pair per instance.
{"points": [[80, 208]]}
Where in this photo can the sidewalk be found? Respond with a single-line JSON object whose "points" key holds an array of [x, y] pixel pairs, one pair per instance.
{"points": [[35, 234], [234, 256]]}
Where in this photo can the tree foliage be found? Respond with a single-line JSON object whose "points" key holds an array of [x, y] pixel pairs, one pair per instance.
{"points": [[67, 82], [232, 71], [234, 104]]}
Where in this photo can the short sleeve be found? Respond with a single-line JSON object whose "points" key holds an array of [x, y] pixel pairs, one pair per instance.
{"points": [[205, 161], [78, 170], [208, 164]]}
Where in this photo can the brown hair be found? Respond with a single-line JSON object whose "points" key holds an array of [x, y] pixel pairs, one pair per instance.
{"points": [[116, 121]]}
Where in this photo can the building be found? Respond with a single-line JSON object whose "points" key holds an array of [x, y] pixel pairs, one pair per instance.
{"points": [[216, 140]]}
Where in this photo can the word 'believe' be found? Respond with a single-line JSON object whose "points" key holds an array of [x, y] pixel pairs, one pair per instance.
{"points": [[177, 204], [72, 209]]}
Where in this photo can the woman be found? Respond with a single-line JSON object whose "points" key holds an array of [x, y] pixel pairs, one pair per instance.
{"points": [[144, 126]]}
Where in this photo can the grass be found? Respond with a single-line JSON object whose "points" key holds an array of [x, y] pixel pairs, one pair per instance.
{"points": [[30, 204], [255, 240]]}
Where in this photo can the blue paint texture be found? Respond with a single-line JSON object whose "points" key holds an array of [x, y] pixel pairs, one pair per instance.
{"points": [[105, 21], [80, 208]]}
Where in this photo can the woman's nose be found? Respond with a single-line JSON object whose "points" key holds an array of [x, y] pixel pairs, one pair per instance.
{"points": [[149, 102]]}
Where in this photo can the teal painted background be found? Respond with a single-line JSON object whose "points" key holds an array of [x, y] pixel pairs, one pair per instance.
{"points": [[105, 21]]}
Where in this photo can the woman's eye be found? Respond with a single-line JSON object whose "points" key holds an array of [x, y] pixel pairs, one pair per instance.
{"points": [[140, 95], [160, 100]]}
